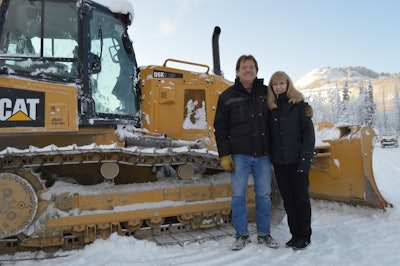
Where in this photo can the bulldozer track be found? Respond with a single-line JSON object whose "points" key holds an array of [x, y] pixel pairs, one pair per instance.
{"points": [[164, 235], [53, 155], [192, 221], [14, 159], [182, 239]]}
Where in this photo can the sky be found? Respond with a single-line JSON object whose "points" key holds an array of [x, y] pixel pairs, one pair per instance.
{"points": [[289, 35], [342, 235]]}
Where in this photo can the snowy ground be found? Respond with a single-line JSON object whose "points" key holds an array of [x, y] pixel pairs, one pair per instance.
{"points": [[342, 235]]}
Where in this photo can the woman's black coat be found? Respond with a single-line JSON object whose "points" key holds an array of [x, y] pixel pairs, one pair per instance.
{"points": [[292, 136]]}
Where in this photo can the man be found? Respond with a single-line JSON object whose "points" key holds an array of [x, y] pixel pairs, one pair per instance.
{"points": [[242, 139]]}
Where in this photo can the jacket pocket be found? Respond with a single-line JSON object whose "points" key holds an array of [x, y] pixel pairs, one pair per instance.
{"points": [[239, 113]]}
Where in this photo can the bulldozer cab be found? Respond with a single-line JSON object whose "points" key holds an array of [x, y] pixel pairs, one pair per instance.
{"points": [[73, 42]]}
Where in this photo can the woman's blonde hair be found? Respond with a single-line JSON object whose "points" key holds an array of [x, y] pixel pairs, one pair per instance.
{"points": [[293, 95]]}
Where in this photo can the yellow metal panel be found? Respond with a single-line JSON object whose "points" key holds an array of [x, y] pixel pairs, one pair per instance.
{"points": [[167, 94], [342, 170]]}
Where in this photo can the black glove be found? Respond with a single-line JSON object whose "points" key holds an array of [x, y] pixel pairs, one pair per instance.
{"points": [[305, 162]]}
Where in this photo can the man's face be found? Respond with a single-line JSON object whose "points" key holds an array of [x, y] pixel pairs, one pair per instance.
{"points": [[247, 71]]}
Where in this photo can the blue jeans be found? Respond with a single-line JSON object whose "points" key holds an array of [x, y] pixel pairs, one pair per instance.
{"points": [[260, 166]]}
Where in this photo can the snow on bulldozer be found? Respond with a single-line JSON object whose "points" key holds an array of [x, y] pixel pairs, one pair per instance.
{"points": [[91, 144]]}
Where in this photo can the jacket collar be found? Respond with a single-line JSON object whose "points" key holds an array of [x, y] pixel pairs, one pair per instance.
{"points": [[257, 82]]}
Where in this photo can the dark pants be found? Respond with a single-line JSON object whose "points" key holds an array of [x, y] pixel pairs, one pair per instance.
{"points": [[294, 190]]}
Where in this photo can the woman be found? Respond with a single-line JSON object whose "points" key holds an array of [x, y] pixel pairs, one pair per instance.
{"points": [[292, 146]]}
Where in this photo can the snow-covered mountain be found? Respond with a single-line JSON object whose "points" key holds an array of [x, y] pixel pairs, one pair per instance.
{"points": [[326, 78]]}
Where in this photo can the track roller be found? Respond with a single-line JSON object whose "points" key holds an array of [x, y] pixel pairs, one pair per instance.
{"points": [[18, 204]]}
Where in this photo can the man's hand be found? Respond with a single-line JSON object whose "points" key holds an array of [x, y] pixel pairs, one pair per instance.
{"points": [[227, 163], [309, 111]]}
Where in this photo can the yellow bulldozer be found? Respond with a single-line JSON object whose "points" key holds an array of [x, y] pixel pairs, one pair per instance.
{"points": [[92, 144]]}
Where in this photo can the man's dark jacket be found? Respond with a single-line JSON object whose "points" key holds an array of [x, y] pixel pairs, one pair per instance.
{"points": [[241, 120]]}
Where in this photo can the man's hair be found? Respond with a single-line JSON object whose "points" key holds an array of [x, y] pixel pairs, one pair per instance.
{"points": [[245, 58]]}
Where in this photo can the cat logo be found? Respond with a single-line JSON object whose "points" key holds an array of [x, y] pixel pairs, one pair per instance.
{"points": [[21, 108]]}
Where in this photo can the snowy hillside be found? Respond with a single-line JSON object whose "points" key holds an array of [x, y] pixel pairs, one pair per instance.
{"points": [[328, 76], [332, 78]]}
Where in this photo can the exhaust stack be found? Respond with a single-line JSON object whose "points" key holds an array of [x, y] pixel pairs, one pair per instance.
{"points": [[215, 46]]}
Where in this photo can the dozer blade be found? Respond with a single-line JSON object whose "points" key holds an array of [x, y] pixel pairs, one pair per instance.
{"points": [[342, 166]]}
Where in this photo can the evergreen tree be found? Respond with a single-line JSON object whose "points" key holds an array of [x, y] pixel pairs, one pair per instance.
{"points": [[360, 105], [396, 110], [334, 106], [343, 114], [338, 105], [384, 115], [369, 106], [346, 92], [318, 103]]}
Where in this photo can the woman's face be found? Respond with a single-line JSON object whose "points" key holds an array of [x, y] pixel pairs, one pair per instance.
{"points": [[279, 85]]}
